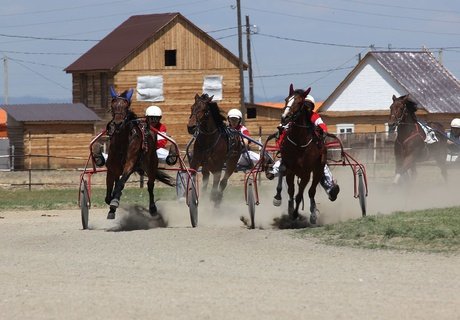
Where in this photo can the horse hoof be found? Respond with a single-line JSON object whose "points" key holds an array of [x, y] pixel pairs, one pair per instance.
{"points": [[111, 215], [276, 202], [313, 218]]}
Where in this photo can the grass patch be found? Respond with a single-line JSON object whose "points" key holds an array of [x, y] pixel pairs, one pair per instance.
{"points": [[433, 230], [68, 198]]}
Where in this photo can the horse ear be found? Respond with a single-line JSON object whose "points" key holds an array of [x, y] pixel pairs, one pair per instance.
{"points": [[210, 98], [394, 98], [291, 89], [113, 93], [307, 91], [129, 94], [197, 97]]}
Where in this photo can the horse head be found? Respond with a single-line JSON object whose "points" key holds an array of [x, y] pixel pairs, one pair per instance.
{"points": [[400, 109], [199, 112], [294, 103], [120, 105]]}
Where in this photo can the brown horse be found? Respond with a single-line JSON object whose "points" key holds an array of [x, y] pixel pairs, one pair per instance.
{"points": [[132, 149], [215, 145], [410, 146], [302, 154]]}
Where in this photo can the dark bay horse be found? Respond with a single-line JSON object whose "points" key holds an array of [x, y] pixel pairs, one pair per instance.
{"points": [[132, 149], [410, 146], [215, 145], [302, 154]]}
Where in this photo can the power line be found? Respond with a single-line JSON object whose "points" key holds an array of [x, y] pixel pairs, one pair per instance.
{"points": [[402, 7], [42, 53], [302, 73], [408, 17], [351, 24], [39, 64], [45, 38], [39, 74]]}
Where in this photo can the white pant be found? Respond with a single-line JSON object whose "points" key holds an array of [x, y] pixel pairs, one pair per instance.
{"points": [[254, 156], [327, 181], [162, 153]]}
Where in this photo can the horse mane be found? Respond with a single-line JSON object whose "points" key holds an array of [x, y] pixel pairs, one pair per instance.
{"points": [[410, 105]]}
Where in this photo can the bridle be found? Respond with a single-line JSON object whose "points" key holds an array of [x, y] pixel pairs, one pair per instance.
{"points": [[290, 118], [403, 113], [200, 122]]}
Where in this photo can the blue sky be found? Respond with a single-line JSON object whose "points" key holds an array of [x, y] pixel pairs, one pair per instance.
{"points": [[305, 42]]}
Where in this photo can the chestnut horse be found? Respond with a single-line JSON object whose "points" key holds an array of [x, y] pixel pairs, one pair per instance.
{"points": [[410, 146], [302, 154], [132, 149], [215, 145]]}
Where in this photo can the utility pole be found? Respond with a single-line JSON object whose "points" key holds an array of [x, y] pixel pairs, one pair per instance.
{"points": [[240, 64], [5, 79], [248, 48]]}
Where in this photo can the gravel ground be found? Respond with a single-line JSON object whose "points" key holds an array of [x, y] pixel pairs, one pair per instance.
{"points": [[52, 269]]}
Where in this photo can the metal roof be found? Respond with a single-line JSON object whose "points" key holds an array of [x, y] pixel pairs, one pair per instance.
{"points": [[67, 112], [428, 82], [126, 38]]}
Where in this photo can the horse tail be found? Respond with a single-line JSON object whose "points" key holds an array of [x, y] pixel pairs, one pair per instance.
{"points": [[165, 178]]}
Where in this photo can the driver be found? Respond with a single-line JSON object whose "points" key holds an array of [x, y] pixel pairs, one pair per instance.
{"points": [[327, 181], [153, 115], [234, 117], [453, 143]]}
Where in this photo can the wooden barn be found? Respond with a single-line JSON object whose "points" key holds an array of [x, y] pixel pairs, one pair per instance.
{"points": [[361, 103], [49, 136], [167, 60]]}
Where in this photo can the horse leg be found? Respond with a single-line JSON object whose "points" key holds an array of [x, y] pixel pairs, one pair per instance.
{"points": [[299, 197], [311, 194], [150, 187], [216, 195], [205, 174], [291, 189], [279, 187], [398, 162]]}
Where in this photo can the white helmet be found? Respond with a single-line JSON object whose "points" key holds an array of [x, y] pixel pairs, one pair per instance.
{"points": [[310, 98], [455, 123], [235, 113], [153, 111]]}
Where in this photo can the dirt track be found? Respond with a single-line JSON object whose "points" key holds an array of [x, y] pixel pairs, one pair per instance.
{"points": [[51, 269]]}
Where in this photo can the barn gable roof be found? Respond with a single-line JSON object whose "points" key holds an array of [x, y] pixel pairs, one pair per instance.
{"points": [[427, 81], [65, 112], [112, 50]]}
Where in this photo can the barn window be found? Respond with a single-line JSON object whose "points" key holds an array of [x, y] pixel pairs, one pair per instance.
{"points": [[344, 128], [149, 88], [212, 85], [170, 58]]}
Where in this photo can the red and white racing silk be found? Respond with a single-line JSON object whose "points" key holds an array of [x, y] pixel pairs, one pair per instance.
{"points": [[317, 121], [243, 130], [161, 141]]}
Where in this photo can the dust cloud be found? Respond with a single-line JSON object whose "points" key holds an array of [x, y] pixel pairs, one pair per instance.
{"points": [[428, 191]]}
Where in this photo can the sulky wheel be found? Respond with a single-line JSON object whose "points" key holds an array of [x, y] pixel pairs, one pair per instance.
{"points": [[362, 192], [250, 196], [84, 204], [192, 202]]}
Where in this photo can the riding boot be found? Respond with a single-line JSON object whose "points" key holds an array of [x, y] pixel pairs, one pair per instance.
{"points": [[273, 170], [329, 185]]}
